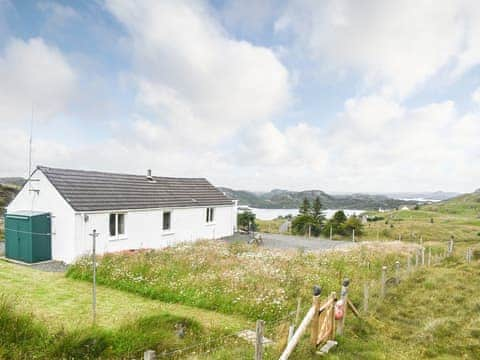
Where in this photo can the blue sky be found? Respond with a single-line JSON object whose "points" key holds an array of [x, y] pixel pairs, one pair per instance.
{"points": [[333, 95]]}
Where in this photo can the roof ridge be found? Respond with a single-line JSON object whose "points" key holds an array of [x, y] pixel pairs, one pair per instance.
{"points": [[42, 168], [88, 190]]}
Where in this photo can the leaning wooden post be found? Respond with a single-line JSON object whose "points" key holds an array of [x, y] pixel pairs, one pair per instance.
{"points": [[397, 272], [300, 331], [365, 297], [315, 323], [382, 282], [259, 340], [343, 299]]}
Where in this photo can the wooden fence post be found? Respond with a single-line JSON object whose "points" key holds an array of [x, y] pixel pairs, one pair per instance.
{"points": [[365, 297], [315, 324], [149, 355], [450, 247], [299, 333], [353, 235], [429, 256], [397, 272], [423, 256], [344, 299], [259, 340], [382, 282]]}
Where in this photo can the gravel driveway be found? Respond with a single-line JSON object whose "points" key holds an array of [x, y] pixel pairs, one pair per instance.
{"points": [[280, 241]]}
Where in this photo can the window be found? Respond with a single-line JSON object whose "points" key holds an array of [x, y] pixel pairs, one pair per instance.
{"points": [[117, 224], [166, 220], [113, 225], [210, 212]]}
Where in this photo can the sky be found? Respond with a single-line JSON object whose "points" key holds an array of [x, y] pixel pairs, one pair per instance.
{"points": [[342, 96]]}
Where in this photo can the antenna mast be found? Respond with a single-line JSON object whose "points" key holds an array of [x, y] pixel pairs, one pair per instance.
{"points": [[30, 147]]}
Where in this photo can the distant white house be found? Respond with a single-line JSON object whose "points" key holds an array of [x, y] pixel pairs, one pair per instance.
{"points": [[128, 211]]}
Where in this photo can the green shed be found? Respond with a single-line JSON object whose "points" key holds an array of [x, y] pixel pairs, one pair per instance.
{"points": [[28, 236]]}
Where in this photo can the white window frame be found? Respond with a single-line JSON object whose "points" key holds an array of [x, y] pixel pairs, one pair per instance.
{"points": [[118, 236]]}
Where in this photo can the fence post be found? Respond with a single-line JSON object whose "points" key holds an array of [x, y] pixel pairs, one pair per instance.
{"points": [[365, 297], [423, 256], [416, 258], [343, 299], [382, 282], [149, 355], [397, 272], [450, 247], [315, 323], [301, 329], [353, 235], [429, 256], [259, 340]]}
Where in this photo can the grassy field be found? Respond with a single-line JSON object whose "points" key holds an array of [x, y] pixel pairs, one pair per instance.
{"points": [[433, 314], [431, 223], [236, 278], [55, 315]]}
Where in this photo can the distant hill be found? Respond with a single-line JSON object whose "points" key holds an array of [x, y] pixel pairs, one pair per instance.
{"points": [[285, 199], [465, 204], [18, 181], [436, 195], [7, 193]]}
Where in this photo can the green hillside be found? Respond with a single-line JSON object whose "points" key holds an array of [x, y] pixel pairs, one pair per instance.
{"points": [[285, 199], [458, 217]]}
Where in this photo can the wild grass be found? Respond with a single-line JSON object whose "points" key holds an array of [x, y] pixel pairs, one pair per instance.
{"points": [[22, 336], [235, 278], [62, 303]]}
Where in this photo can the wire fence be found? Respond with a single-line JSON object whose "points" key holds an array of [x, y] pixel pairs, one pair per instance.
{"points": [[375, 293]]}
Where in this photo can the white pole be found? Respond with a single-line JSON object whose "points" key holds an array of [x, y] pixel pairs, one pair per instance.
{"points": [[94, 235], [353, 235], [331, 232]]}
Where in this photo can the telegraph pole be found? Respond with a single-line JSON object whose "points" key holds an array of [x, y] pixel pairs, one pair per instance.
{"points": [[94, 235]]}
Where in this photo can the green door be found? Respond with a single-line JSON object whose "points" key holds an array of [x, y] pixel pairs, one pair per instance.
{"points": [[17, 236]]}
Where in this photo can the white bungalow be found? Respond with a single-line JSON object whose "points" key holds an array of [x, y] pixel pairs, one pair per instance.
{"points": [[127, 211]]}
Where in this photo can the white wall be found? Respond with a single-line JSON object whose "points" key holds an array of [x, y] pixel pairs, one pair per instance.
{"points": [[49, 200], [144, 228]]}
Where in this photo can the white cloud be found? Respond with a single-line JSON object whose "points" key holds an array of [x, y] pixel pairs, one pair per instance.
{"points": [[31, 72], [58, 14], [395, 45], [194, 76], [476, 96]]}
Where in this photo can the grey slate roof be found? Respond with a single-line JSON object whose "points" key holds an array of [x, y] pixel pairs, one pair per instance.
{"points": [[94, 191]]}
